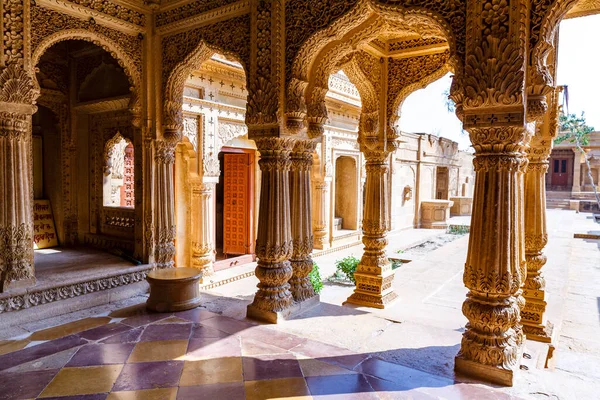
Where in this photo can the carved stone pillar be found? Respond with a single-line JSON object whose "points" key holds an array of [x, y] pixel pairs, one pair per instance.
{"points": [[274, 239], [16, 201], [495, 265], [203, 247], [321, 213], [301, 215], [374, 274], [576, 172], [164, 209]]}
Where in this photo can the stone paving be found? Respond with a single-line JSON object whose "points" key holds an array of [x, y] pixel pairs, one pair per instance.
{"points": [[332, 351]]}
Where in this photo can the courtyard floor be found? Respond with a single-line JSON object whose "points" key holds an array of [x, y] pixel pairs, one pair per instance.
{"points": [[406, 351]]}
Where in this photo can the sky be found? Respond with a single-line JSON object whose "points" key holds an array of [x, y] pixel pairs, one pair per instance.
{"points": [[425, 110]]}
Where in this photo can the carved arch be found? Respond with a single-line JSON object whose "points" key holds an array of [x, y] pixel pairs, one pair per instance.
{"points": [[407, 90], [175, 82], [125, 61]]}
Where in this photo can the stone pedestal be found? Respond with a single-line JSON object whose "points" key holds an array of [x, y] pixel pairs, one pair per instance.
{"points": [[173, 289], [435, 214], [302, 235], [461, 206], [321, 210], [374, 273], [274, 245], [16, 207]]}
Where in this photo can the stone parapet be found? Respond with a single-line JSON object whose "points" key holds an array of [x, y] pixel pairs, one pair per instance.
{"points": [[435, 214], [462, 206]]}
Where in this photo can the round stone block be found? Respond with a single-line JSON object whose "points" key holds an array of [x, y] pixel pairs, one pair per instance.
{"points": [[173, 289]]}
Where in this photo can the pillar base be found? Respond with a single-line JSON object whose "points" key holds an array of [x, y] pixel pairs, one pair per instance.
{"points": [[274, 317], [540, 333], [366, 299], [488, 373]]}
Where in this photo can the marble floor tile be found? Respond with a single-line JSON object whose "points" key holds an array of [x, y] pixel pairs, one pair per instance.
{"points": [[162, 350], [24, 385], [227, 324], [312, 367], [101, 354], [41, 350], [166, 332], [408, 377], [130, 336], [272, 337], [54, 361], [202, 349], [218, 391], [8, 346], [104, 331], [149, 375], [271, 367], [340, 386], [251, 347], [287, 388], [216, 370], [172, 320], [97, 396], [202, 332], [148, 394], [144, 319], [69, 329], [195, 315], [83, 380]]}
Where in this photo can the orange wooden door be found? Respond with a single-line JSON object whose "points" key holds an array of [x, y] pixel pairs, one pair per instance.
{"points": [[235, 207]]}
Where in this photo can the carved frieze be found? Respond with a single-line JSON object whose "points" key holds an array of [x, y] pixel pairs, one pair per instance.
{"points": [[106, 8], [188, 10]]}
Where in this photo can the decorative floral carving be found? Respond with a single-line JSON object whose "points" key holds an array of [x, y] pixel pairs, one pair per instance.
{"points": [[189, 10], [112, 9]]}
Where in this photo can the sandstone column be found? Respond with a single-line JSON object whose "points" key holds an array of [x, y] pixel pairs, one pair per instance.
{"points": [[494, 269], [321, 210], [536, 238], [203, 249], [164, 209], [374, 274], [301, 216], [16, 201], [274, 245]]}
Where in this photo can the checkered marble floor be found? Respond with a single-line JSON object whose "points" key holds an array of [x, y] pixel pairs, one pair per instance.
{"points": [[196, 354]]}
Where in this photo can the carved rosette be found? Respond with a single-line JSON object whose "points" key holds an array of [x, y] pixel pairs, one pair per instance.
{"points": [[301, 214], [164, 249], [274, 245], [536, 237], [374, 274]]}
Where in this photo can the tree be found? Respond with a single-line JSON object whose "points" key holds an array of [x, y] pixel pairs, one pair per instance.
{"points": [[575, 130]]}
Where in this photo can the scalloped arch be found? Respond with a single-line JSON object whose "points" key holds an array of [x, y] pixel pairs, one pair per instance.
{"points": [[173, 89], [105, 43]]}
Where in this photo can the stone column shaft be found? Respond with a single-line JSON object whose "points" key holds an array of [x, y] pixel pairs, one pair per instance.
{"points": [[203, 248], [164, 209], [301, 215], [374, 274], [16, 201], [274, 245], [321, 213], [576, 171], [495, 266], [536, 238]]}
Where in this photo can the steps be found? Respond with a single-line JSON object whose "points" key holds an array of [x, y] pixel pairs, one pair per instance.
{"points": [[561, 204]]}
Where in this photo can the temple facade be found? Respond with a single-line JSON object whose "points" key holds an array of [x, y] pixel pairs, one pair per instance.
{"points": [[150, 147]]}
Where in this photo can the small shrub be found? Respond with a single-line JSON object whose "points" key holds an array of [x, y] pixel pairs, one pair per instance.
{"points": [[347, 266], [315, 278], [396, 264], [458, 229]]}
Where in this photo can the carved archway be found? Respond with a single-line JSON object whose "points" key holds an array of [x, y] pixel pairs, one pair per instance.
{"points": [[175, 82], [326, 49], [123, 59]]}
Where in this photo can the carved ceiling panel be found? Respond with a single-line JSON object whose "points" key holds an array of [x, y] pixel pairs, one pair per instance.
{"points": [[188, 10]]}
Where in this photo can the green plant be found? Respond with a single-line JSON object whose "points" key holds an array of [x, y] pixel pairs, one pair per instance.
{"points": [[399, 251], [458, 229], [315, 278], [396, 264], [347, 266]]}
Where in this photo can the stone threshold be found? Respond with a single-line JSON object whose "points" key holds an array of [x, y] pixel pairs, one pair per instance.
{"points": [[50, 292]]}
